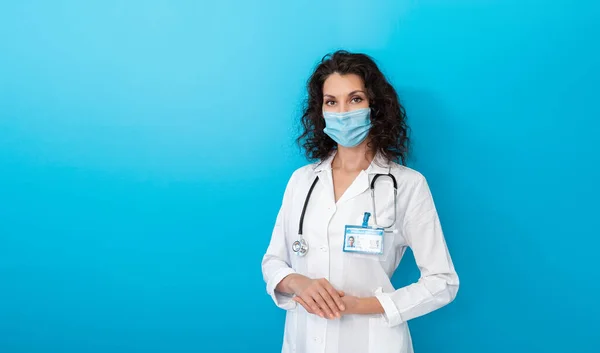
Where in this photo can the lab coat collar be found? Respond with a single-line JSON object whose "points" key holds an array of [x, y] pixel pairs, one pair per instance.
{"points": [[379, 164]]}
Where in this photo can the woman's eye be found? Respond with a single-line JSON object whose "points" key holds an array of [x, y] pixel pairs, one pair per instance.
{"points": [[330, 103], [356, 100]]}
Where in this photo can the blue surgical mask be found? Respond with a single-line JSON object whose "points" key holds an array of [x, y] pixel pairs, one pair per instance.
{"points": [[348, 129]]}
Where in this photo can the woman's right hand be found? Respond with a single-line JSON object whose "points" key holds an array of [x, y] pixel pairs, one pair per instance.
{"points": [[317, 296]]}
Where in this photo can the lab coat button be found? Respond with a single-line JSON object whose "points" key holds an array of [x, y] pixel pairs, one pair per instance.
{"points": [[324, 248]]}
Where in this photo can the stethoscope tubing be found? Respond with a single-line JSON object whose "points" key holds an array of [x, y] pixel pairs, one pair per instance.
{"points": [[300, 246]]}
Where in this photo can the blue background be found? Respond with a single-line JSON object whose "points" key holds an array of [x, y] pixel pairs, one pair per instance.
{"points": [[145, 145]]}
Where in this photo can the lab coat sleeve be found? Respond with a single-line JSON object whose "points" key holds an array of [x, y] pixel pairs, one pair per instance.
{"points": [[276, 263], [438, 283]]}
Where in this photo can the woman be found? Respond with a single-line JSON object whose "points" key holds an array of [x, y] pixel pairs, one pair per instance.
{"points": [[339, 298]]}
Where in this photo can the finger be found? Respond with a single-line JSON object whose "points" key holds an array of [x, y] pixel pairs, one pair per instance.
{"points": [[313, 305], [334, 295], [332, 306], [321, 302], [304, 305], [341, 293]]}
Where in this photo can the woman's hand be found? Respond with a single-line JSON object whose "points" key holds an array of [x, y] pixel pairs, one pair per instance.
{"points": [[317, 296], [354, 305], [362, 305], [351, 304]]}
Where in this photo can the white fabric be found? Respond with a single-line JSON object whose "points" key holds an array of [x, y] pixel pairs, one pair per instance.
{"points": [[363, 275]]}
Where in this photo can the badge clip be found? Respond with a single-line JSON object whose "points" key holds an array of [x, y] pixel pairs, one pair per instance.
{"points": [[366, 217]]}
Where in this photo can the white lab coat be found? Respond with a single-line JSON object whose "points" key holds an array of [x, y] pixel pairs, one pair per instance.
{"points": [[418, 227]]}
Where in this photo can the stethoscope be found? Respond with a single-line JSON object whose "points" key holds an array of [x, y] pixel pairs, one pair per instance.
{"points": [[300, 246]]}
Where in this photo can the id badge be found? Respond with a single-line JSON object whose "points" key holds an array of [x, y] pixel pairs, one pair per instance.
{"points": [[365, 240]]}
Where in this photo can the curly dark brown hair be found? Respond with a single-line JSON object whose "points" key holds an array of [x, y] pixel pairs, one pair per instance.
{"points": [[389, 131]]}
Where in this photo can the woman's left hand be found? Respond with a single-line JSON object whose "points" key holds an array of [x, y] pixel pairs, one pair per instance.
{"points": [[300, 301], [361, 305], [352, 304]]}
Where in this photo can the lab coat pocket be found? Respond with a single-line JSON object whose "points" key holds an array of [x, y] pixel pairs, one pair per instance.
{"points": [[385, 339]]}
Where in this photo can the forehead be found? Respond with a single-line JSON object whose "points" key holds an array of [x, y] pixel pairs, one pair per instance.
{"points": [[337, 84]]}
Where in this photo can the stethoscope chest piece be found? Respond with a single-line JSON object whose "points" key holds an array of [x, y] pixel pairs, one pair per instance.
{"points": [[300, 247]]}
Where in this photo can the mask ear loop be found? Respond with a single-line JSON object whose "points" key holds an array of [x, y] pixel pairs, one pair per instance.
{"points": [[374, 111]]}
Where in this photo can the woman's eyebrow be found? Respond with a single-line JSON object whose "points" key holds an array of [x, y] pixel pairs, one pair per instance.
{"points": [[351, 93], [357, 91]]}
